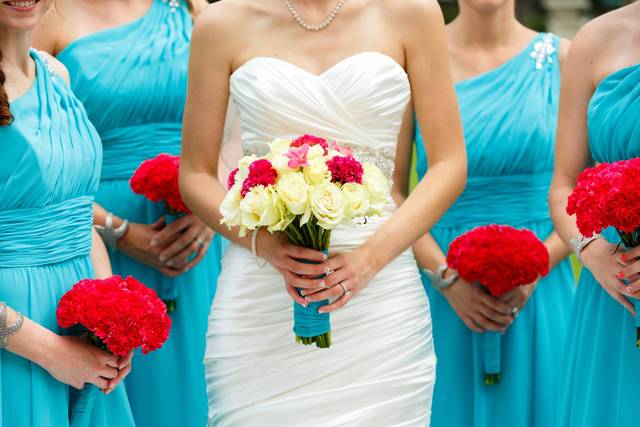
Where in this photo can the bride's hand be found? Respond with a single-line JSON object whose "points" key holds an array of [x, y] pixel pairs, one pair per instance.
{"points": [[478, 310], [347, 274], [606, 265], [285, 257]]}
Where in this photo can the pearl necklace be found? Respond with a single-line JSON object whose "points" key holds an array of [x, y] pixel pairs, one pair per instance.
{"points": [[315, 27]]}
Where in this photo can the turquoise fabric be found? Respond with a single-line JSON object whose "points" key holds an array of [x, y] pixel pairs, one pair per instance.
{"points": [[133, 81], [509, 119], [48, 175], [601, 374]]}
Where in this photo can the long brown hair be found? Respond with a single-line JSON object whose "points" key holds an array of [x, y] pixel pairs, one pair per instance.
{"points": [[5, 113]]}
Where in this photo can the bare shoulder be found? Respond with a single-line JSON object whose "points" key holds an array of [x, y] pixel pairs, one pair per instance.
{"points": [[408, 11], [57, 66], [222, 19], [50, 30], [199, 6]]}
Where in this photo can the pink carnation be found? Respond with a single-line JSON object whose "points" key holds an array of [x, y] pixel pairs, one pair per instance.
{"points": [[311, 140], [261, 172], [345, 169]]}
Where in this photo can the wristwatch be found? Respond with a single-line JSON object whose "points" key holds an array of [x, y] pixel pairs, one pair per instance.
{"points": [[438, 281], [579, 243], [111, 235]]}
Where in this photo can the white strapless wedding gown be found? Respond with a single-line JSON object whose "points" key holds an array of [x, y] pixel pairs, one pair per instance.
{"points": [[380, 369]]}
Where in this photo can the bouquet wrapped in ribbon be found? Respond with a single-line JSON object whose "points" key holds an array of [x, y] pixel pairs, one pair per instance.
{"points": [[157, 180], [608, 195], [119, 316], [305, 188], [499, 258]]}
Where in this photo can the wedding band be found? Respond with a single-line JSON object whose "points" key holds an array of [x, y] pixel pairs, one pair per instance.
{"points": [[515, 311], [346, 290], [200, 242]]}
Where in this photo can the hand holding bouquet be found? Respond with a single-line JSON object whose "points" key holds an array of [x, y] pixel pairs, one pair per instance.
{"points": [[500, 258], [119, 315], [157, 180], [304, 188], [608, 195]]}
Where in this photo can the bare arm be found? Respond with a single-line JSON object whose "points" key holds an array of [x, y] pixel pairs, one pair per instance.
{"points": [[100, 258]]}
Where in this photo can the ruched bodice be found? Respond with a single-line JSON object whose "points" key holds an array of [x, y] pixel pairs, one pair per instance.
{"points": [[48, 175], [360, 102], [509, 119], [614, 117], [132, 80]]}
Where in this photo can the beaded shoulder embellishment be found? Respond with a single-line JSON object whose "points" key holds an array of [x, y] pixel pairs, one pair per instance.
{"points": [[543, 51], [173, 4]]}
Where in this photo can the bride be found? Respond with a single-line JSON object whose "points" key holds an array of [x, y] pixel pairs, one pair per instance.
{"points": [[345, 71]]}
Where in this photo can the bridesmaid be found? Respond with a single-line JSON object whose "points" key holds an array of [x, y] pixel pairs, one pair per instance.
{"points": [[599, 111], [48, 175], [128, 62], [508, 80]]}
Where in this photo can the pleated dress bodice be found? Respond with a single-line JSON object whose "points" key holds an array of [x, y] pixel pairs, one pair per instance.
{"points": [[602, 364], [509, 119], [133, 81], [50, 169]]}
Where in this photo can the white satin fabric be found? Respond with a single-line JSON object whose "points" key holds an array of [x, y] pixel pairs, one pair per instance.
{"points": [[380, 370]]}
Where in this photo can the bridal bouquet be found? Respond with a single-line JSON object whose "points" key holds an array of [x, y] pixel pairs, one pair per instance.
{"points": [[608, 195], [305, 188], [500, 258], [119, 315], [157, 180]]}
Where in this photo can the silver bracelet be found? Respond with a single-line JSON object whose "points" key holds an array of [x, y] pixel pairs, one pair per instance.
{"points": [[5, 330], [254, 250], [438, 281], [111, 235], [579, 244]]}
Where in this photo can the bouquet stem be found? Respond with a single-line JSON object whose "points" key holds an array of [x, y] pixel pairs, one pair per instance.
{"points": [[492, 356], [491, 379], [311, 327], [83, 406]]}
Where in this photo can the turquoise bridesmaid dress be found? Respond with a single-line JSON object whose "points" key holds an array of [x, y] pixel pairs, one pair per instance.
{"points": [[133, 80], [509, 119], [48, 174], [601, 375]]}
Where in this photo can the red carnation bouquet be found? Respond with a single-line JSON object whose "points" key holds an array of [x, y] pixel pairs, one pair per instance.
{"points": [[305, 188], [120, 316], [608, 195], [500, 258], [157, 180]]}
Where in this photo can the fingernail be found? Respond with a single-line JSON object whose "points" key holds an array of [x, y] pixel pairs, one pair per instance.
{"points": [[320, 311], [324, 257], [163, 258], [322, 285], [169, 263], [620, 275], [623, 258], [303, 293], [154, 242]]}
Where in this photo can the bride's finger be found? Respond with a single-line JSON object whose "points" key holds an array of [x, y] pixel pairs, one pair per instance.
{"points": [[333, 292], [339, 303], [301, 268], [298, 252], [293, 293], [305, 283]]}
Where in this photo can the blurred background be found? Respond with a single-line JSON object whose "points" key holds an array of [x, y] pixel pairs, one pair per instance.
{"points": [[562, 17]]}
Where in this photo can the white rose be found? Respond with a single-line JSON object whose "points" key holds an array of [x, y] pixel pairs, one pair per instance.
{"points": [[281, 165], [317, 171], [327, 205], [293, 190], [258, 208], [243, 167], [278, 147], [285, 217], [230, 207], [377, 186], [356, 200]]}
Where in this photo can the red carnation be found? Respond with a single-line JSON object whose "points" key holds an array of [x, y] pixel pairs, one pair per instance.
{"points": [[500, 258], [311, 140], [122, 313], [261, 172], [608, 195], [345, 169], [157, 180], [231, 180]]}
